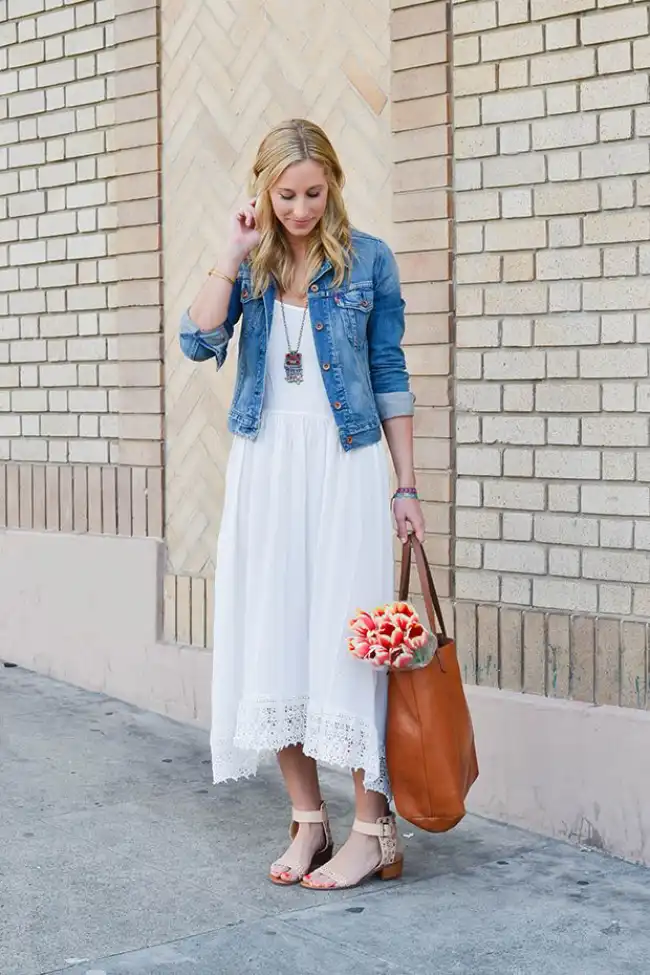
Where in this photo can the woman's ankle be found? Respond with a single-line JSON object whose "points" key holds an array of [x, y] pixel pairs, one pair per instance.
{"points": [[307, 804], [369, 809], [369, 806]]}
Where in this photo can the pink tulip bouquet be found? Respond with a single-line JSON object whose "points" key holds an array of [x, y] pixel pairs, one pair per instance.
{"points": [[392, 638]]}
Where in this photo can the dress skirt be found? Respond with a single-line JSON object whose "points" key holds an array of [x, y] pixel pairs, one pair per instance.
{"points": [[305, 541]]}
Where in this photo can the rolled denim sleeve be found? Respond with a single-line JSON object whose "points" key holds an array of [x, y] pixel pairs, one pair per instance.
{"points": [[388, 372], [200, 346], [394, 404]]}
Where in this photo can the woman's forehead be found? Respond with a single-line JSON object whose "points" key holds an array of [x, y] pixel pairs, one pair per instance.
{"points": [[302, 176]]}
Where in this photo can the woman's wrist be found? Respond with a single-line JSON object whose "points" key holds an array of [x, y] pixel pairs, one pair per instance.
{"points": [[229, 264], [406, 479], [216, 273], [406, 492]]}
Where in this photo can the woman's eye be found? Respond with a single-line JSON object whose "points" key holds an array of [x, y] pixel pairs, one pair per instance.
{"points": [[312, 196]]}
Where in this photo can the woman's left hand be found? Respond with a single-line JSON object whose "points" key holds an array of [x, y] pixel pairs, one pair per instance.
{"points": [[408, 517]]}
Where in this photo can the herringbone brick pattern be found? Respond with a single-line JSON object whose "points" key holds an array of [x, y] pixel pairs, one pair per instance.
{"points": [[230, 71]]}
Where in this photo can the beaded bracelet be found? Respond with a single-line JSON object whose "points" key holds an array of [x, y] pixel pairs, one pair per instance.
{"points": [[406, 492]]}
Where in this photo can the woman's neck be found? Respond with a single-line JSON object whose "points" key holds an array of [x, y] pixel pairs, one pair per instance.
{"points": [[298, 247], [299, 256]]}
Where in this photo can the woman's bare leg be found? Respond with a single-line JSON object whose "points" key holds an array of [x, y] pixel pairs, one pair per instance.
{"points": [[369, 806], [300, 776]]}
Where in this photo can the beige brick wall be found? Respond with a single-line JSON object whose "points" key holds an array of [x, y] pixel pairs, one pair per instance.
{"points": [[552, 188], [552, 180], [80, 321]]}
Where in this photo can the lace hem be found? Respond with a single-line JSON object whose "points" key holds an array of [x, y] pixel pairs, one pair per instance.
{"points": [[341, 740]]}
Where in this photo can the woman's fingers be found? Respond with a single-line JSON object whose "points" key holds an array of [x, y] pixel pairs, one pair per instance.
{"points": [[246, 216], [409, 517], [402, 527], [416, 521]]}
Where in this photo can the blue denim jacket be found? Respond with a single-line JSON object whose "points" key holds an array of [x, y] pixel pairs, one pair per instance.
{"points": [[357, 328]]}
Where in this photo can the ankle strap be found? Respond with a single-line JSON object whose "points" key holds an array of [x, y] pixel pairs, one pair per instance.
{"points": [[383, 828], [316, 816]]}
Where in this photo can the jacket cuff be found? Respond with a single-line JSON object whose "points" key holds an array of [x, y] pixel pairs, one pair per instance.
{"points": [[390, 405], [214, 339]]}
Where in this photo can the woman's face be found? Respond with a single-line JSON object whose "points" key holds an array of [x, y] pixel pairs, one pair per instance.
{"points": [[299, 197]]}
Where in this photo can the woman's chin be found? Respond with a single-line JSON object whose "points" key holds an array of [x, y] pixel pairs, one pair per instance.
{"points": [[300, 230]]}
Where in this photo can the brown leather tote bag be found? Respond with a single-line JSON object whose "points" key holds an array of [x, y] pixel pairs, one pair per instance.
{"points": [[430, 746]]}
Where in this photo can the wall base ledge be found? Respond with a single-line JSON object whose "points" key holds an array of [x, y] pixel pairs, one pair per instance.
{"points": [[569, 770]]}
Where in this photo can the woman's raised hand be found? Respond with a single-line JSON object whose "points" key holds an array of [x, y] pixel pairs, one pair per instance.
{"points": [[244, 235]]}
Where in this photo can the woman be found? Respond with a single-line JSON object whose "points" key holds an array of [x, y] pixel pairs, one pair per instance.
{"points": [[305, 538]]}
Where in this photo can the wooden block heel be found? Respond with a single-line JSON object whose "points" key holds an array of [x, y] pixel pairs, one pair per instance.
{"points": [[393, 871]]}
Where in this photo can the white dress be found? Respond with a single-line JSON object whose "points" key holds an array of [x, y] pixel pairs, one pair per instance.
{"points": [[305, 541]]}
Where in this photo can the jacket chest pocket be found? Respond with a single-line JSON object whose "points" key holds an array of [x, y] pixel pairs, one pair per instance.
{"points": [[252, 309], [355, 306]]}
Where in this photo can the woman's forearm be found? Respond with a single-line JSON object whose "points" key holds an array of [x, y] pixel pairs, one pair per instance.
{"points": [[399, 434], [209, 309]]}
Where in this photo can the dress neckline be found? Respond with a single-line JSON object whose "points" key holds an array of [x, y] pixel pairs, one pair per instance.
{"points": [[288, 305]]}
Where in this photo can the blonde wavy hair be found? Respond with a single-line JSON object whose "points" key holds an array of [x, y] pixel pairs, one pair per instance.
{"points": [[288, 143]]}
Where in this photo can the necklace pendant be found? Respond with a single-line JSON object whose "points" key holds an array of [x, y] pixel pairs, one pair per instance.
{"points": [[293, 367]]}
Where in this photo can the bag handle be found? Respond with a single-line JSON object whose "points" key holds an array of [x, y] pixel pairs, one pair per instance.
{"points": [[431, 601]]}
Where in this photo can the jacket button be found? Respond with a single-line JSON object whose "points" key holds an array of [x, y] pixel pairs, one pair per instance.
{"points": [[244, 293], [319, 327], [337, 405], [326, 366], [314, 288], [364, 304], [349, 440]]}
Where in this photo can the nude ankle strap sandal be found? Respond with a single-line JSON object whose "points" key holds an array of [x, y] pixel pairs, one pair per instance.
{"points": [[389, 868], [291, 869], [299, 816]]}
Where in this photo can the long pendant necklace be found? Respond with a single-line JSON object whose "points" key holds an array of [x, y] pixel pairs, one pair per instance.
{"points": [[293, 371]]}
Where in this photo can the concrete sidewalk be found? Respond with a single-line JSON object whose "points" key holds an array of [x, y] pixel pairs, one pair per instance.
{"points": [[118, 856]]}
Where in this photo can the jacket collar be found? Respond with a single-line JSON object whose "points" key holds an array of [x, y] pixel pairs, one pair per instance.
{"points": [[323, 269]]}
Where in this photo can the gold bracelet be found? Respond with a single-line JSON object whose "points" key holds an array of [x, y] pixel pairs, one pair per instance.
{"points": [[216, 273]]}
